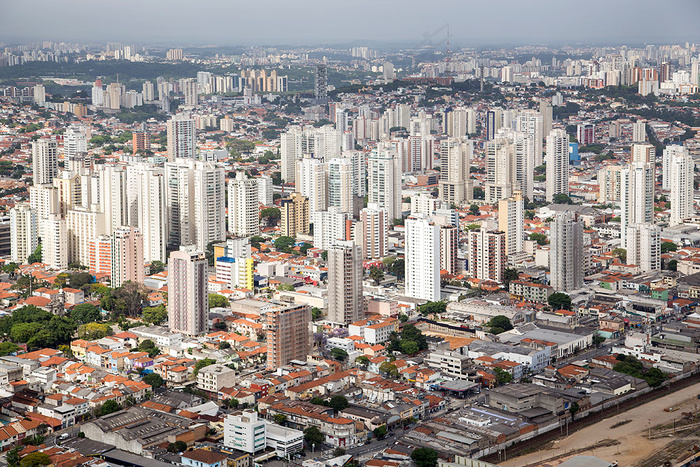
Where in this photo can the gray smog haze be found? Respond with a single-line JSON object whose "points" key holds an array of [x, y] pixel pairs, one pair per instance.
{"points": [[311, 22]]}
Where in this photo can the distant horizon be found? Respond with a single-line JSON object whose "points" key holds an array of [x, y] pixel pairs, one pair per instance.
{"points": [[317, 24]]}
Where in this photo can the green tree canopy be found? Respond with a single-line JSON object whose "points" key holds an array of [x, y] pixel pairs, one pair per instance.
{"points": [[502, 376], [155, 314], [202, 363], [35, 257], [157, 266], [338, 403], [218, 301], [541, 239], [409, 347], [432, 308], [35, 459], [313, 436], [499, 324], [559, 301], [668, 247], [510, 274], [376, 275], [154, 380], [561, 198], [284, 243], [109, 407], [339, 354], [425, 457], [85, 313]]}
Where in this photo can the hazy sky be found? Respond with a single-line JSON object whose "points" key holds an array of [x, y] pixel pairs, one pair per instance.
{"points": [[266, 22]]}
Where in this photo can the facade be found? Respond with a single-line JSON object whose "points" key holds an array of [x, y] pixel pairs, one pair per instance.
{"points": [[566, 252], [54, 243], [511, 219], [375, 229], [455, 183], [340, 185], [188, 300], [127, 256], [44, 161], [312, 181], [384, 180], [24, 233], [610, 184], [294, 213], [637, 196], [585, 133], [329, 227], [182, 142], [557, 164], [487, 254], [288, 335], [100, 255], [422, 258], [245, 432], [83, 226], [681, 171], [644, 246], [345, 302], [449, 242], [243, 207]]}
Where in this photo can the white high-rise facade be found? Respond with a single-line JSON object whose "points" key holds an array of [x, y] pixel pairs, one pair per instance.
{"points": [[24, 233], [384, 180], [44, 161], [74, 141], [557, 164], [375, 229], [83, 225], [636, 196], [566, 252], [681, 171], [54, 243], [422, 258], [329, 227], [188, 300], [511, 220], [644, 246], [182, 141], [320, 143], [147, 208], [312, 182], [345, 302], [487, 254], [340, 184], [127, 256], [243, 207], [455, 183], [532, 124], [639, 131]]}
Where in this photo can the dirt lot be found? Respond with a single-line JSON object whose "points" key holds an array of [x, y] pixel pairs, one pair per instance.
{"points": [[634, 446]]}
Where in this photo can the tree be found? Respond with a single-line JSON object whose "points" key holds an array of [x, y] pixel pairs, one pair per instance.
{"points": [[574, 408], [499, 324], [85, 313], [79, 279], [376, 275], [620, 253], [380, 431], [338, 403], [93, 331], [561, 198], [313, 436], [432, 308], [398, 268], [479, 193], [35, 459], [270, 215], [559, 301], [218, 301], [411, 333], [339, 354], [155, 314], [154, 380], [286, 287], [279, 419], [109, 407], [202, 363], [510, 274], [389, 369], [337, 452], [668, 247], [425, 457], [177, 446], [409, 347], [13, 457], [36, 256], [8, 348], [672, 265], [316, 313], [598, 339], [362, 360], [129, 298], [403, 318], [284, 243], [157, 266], [474, 210], [541, 239], [223, 345], [502, 376]]}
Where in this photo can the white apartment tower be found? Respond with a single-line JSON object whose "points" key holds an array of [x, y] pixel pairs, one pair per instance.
{"points": [[243, 207], [74, 141], [188, 300], [511, 220], [639, 131], [636, 196], [566, 252], [340, 184], [487, 254], [455, 183], [24, 233], [44, 161], [345, 303], [681, 172], [375, 229], [182, 142], [644, 246], [384, 180], [54, 243], [422, 258], [557, 164]]}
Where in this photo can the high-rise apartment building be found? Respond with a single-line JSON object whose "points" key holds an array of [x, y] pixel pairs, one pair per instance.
{"points": [[643, 153], [188, 300], [566, 252], [511, 220], [127, 256], [321, 84], [54, 243], [384, 180], [340, 185], [24, 232], [312, 181], [294, 215], [190, 89], [296, 143], [182, 142], [644, 246], [639, 131], [329, 227], [449, 243], [44, 161], [422, 258], [487, 254], [243, 206], [557, 164], [345, 302], [375, 229], [455, 183], [610, 184], [74, 142], [636, 196], [83, 226], [585, 133], [681, 172], [100, 255], [288, 335], [141, 141]]}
